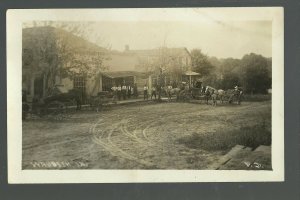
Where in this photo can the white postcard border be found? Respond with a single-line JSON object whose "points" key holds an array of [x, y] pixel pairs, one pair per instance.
{"points": [[15, 18]]}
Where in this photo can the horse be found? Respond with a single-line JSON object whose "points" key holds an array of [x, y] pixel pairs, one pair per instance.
{"points": [[214, 94], [221, 94], [234, 95], [208, 93], [172, 91]]}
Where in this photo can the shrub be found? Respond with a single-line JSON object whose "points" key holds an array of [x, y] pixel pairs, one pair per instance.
{"points": [[257, 97], [223, 141]]}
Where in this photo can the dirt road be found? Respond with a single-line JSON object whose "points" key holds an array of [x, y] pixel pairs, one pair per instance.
{"points": [[134, 137]]}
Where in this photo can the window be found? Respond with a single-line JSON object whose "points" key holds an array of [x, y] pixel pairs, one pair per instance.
{"points": [[79, 83]]}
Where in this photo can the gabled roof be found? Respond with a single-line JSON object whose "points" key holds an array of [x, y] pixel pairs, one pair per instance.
{"points": [[130, 59], [122, 62], [42, 33]]}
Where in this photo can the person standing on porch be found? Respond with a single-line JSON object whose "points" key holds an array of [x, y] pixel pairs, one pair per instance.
{"points": [[153, 92], [169, 91], [114, 91], [119, 92], [124, 90], [145, 92], [132, 90], [129, 91], [135, 91]]}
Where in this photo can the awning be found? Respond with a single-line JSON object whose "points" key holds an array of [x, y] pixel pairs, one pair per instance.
{"points": [[191, 73]]}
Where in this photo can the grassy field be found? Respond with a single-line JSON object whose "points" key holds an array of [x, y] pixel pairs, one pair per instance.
{"points": [[154, 136]]}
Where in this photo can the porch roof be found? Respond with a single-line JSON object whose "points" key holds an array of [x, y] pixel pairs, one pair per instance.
{"points": [[120, 74]]}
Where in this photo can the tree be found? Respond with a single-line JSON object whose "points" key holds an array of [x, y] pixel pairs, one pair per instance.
{"points": [[53, 52], [230, 79], [255, 73], [164, 61], [229, 70], [200, 63]]}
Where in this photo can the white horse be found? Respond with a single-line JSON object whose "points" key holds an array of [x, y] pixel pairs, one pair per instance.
{"points": [[214, 94], [172, 91], [221, 94]]}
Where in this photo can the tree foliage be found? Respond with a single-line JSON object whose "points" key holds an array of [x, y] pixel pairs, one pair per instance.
{"points": [[253, 72], [164, 63], [51, 52], [201, 64]]}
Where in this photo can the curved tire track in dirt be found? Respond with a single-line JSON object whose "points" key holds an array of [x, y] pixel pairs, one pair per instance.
{"points": [[111, 147]]}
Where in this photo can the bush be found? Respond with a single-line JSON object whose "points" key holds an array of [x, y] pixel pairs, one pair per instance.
{"points": [[247, 136]]}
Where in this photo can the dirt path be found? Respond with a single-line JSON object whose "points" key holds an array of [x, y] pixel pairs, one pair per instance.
{"points": [[135, 137]]}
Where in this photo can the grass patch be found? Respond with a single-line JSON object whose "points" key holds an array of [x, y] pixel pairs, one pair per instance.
{"points": [[256, 97], [223, 141]]}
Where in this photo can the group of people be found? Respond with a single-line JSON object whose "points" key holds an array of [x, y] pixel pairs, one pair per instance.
{"points": [[124, 91], [155, 89], [153, 92]]}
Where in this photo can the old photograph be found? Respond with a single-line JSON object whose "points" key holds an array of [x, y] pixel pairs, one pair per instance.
{"points": [[150, 94]]}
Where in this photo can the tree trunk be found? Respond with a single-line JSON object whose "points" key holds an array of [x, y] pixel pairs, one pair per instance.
{"points": [[32, 85], [44, 85]]}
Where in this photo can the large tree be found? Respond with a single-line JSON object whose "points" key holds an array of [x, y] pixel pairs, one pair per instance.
{"points": [[253, 72], [163, 62], [256, 76], [201, 64], [52, 52]]}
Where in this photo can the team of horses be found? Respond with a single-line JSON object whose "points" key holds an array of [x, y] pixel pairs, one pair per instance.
{"points": [[205, 94]]}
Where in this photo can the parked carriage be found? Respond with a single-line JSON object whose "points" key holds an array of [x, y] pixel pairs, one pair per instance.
{"points": [[58, 102], [202, 93]]}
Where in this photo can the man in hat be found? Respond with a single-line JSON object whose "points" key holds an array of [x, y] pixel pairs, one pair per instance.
{"points": [[119, 92], [236, 88], [145, 92], [124, 91], [153, 92], [237, 93]]}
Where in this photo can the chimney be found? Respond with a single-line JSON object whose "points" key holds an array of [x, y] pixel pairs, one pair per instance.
{"points": [[126, 47]]}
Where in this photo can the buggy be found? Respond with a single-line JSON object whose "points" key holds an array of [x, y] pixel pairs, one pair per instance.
{"points": [[57, 102]]}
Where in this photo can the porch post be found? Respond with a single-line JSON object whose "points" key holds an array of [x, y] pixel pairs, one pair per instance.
{"points": [[100, 83], [150, 82]]}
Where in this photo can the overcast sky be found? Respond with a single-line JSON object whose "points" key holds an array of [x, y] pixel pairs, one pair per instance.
{"points": [[215, 38], [220, 39]]}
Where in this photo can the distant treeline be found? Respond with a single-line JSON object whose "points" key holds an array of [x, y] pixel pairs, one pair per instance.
{"points": [[253, 72]]}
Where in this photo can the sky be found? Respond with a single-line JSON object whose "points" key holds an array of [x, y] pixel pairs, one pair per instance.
{"points": [[221, 39]]}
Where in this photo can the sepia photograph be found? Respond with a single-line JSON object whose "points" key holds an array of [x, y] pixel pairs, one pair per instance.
{"points": [[126, 91]]}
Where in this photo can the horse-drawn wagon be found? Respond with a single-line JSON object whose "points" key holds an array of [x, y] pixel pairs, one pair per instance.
{"points": [[60, 102], [57, 102], [209, 93]]}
